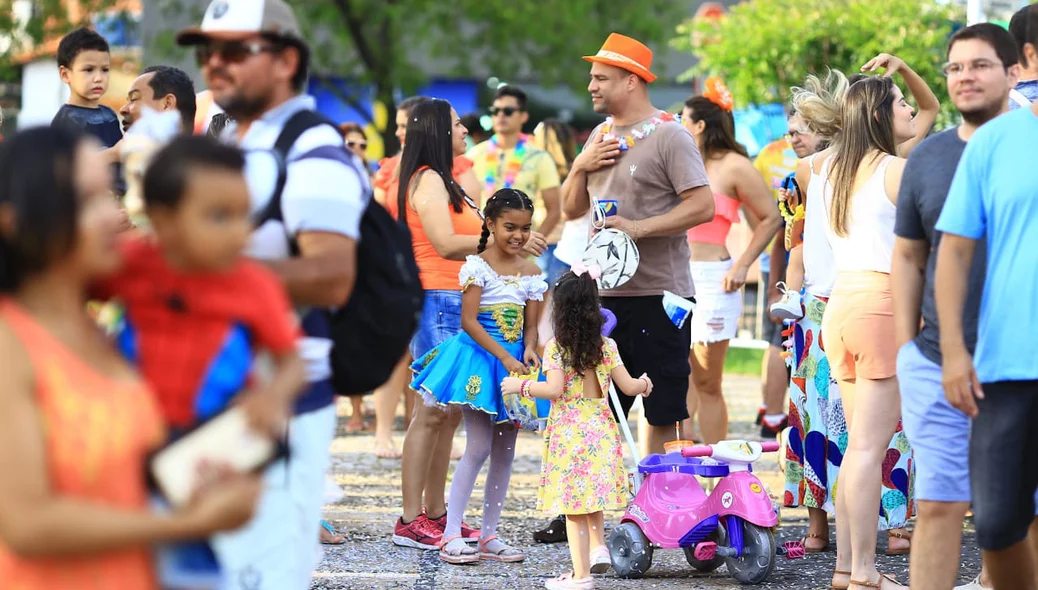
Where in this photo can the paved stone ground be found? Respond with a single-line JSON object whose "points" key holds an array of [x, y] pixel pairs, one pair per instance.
{"points": [[371, 503]]}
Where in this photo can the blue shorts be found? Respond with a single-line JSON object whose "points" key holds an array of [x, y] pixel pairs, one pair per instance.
{"points": [[551, 267], [441, 319], [938, 433]]}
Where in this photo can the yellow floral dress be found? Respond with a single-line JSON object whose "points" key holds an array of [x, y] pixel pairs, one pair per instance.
{"points": [[583, 467]]}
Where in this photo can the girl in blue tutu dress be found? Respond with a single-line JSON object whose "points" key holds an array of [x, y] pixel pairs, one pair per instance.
{"points": [[501, 291]]}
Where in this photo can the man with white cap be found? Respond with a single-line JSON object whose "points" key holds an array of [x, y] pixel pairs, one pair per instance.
{"points": [[307, 211]]}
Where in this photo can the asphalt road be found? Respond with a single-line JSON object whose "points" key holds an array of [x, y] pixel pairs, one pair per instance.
{"points": [[371, 505]]}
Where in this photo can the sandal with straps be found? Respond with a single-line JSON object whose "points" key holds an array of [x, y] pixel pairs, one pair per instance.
{"points": [[461, 558], [878, 583], [505, 555], [840, 573], [821, 549], [893, 534]]}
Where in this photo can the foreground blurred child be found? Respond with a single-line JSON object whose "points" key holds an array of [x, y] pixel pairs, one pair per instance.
{"points": [[197, 312]]}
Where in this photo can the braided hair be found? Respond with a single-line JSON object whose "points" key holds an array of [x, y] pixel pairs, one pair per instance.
{"points": [[506, 199]]}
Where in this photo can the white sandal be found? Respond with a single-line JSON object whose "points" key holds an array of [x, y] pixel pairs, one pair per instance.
{"points": [[463, 556], [600, 560], [566, 582]]}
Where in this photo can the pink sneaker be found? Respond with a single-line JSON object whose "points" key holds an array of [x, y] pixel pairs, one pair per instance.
{"points": [[420, 533]]}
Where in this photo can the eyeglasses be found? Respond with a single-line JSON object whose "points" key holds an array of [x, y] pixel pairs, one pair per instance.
{"points": [[979, 66], [796, 133], [233, 51], [506, 111], [357, 144]]}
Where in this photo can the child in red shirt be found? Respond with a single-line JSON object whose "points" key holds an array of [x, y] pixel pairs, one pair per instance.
{"points": [[198, 313]]}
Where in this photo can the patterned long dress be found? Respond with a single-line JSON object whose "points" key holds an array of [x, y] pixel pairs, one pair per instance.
{"points": [[818, 432]]}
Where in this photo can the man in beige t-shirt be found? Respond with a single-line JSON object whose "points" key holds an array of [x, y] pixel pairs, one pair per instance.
{"points": [[644, 159]]}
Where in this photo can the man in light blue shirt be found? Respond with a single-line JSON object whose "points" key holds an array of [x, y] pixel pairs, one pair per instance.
{"points": [[994, 196]]}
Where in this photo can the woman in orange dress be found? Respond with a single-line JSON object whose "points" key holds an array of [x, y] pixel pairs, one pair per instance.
{"points": [[77, 423]]}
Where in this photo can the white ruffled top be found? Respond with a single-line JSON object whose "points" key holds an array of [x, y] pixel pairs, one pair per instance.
{"points": [[497, 289]]}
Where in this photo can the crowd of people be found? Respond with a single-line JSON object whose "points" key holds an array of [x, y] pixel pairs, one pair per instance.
{"points": [[895, 262]]}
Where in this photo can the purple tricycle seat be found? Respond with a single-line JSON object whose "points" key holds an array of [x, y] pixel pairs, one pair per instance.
{"points": [[674, 462]]}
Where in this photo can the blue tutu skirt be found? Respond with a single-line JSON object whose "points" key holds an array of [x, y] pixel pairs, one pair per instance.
{"points": [[460, 372]]}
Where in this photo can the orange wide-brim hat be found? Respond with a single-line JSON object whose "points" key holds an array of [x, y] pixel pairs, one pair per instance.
{"points": [[625, 53]]}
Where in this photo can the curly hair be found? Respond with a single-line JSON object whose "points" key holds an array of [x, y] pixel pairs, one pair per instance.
{"points": [[577, 321], [506, 199]]}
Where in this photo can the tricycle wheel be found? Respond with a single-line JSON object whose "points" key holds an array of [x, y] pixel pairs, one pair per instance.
{"points": [[758, 555], [719, 537], [630, 551]]}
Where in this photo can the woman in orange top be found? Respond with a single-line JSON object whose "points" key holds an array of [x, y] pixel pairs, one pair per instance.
{"points": [[77, 422], [387, 186], [445, 228]]}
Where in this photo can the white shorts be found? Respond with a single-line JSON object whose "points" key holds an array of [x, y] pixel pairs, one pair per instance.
{"points": [[279, 549], [717, 313]]}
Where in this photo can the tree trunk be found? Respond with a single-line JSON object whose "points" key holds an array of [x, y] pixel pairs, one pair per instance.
{"points": [[384, 94]]}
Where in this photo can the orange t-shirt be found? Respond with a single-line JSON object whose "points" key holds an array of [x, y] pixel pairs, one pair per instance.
{"points": [[97, 433], [436, 273]]}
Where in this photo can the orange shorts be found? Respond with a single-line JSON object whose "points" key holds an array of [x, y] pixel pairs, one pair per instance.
{"points": [[858, 327]]}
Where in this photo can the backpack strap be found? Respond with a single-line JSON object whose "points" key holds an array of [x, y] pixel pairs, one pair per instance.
{"points": [[294, 128], [1019, 98]]}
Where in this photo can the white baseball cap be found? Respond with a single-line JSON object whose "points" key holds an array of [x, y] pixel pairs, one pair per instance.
{"points": [[234, 20]]}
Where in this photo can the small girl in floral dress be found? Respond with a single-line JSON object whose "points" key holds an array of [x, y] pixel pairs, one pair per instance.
{"points": [[582, 473]]}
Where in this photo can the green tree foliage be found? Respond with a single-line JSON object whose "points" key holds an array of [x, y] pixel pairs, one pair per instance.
{"points": [[384, 43], [388, 45], [762, 48], [25, 25]]}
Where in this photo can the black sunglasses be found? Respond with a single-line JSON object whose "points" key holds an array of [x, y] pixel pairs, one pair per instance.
{"points": [[355, 144], [233, 51], [508, 111]]}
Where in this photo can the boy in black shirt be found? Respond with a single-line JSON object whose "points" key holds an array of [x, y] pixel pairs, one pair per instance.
{"points": [[83, 63]]}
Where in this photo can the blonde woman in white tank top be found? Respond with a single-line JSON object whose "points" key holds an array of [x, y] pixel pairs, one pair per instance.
{"points": [[858, 327]]}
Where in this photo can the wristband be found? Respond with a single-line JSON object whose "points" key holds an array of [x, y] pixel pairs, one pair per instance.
{"points": [[645, 381], [524, 389]]}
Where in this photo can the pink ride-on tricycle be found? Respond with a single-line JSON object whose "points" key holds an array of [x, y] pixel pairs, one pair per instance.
{"points": [[733, 525]]}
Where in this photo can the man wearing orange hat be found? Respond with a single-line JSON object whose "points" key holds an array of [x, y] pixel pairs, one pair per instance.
{"points": [[643, 158]]}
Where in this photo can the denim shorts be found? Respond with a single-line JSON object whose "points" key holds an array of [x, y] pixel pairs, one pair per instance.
{"points": [[551, 267], [441, 319], [1004, 463]]}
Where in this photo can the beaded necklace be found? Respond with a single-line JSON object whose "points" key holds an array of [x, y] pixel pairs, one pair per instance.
{"points": [[511, 168], [627, 141]]}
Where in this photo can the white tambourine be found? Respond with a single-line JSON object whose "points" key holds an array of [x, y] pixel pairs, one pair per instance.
{"points": [[616, 254]]}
